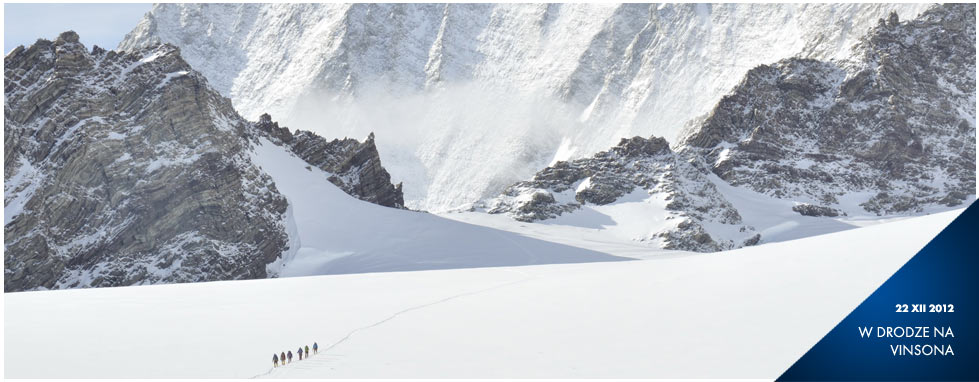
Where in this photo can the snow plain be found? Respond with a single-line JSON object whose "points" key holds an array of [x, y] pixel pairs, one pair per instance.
{"points": [[744, 313]]}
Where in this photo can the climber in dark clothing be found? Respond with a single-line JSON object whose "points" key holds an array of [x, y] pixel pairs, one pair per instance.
{"points": [[316, 348], [300, 352], [275, 360], [282, 357], [289, 354]]}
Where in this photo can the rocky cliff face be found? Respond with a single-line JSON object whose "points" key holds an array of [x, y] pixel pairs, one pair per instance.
{"points": [[127, 168], [356, 166], [896, 122], [889, 131]]}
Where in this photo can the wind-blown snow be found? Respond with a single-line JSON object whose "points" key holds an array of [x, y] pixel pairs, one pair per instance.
{"points": [[747, 313], [337, 233], [468, 98]]}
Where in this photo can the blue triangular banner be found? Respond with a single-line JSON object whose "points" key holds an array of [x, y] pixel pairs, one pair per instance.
{"points": [[934, 340]]}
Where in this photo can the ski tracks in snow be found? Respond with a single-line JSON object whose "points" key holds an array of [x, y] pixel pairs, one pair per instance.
{"points": [[531, 257], [321, 360]]}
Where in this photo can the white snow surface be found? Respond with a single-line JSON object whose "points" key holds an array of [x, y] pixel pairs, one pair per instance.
{"points": [[332, 232], [466, 99], [747, 313]]}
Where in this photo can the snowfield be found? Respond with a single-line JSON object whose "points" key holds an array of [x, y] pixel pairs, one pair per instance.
{"points": [[331, 232], [744, 313]]}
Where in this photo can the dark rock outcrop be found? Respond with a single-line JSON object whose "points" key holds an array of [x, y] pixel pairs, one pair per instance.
{"points": [[634, 164], [806, 209], [125, 169], [356, 166], [897, 121]]}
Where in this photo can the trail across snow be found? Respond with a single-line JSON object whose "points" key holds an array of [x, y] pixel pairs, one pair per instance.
{"points": [[747, 313], [284, 372]]}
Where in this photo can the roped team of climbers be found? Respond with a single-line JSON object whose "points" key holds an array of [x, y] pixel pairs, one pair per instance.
{"points": [[286, 357]]}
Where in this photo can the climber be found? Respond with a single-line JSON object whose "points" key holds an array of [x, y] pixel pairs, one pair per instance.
{"points": [[307, 351], [275, 360], [300, 352], [282, 357], [290, 356], [316, 348]]}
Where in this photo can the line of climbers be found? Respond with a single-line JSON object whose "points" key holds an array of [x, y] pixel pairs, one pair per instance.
{"points": [[286, 357]]}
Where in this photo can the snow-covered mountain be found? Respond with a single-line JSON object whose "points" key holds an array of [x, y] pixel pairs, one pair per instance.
{"points": [[128, 168], [890, 131], [469, 98]]}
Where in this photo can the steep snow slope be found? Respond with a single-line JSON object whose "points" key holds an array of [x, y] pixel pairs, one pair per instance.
{"points": [[331, 232], [747, 313], [468, 98]]}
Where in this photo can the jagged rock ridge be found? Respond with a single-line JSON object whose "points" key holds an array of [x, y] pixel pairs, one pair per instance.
{"points": [[127, 168], [647, 165], [356, 166]]}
